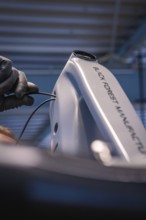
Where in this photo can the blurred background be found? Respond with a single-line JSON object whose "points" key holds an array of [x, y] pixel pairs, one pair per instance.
{"points": [[39, 36]]}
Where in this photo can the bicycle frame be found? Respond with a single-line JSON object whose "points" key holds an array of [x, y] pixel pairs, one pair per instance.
{"points": [[93, 117]]}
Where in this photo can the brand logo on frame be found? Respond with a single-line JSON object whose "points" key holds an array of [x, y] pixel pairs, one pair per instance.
{"points": [[119, 110]]}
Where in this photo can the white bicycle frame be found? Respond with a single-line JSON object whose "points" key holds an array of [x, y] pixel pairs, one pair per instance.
{"points": [[93, 117]]}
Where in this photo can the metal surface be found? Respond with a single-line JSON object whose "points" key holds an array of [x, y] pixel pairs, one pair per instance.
{"points": [[91, 106]]}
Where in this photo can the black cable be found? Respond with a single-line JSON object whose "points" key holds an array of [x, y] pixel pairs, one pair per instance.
{"points": [[42, 93], [44, 102]]}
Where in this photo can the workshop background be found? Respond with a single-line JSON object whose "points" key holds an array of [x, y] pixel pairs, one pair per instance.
{"points": [[39, 36]]}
